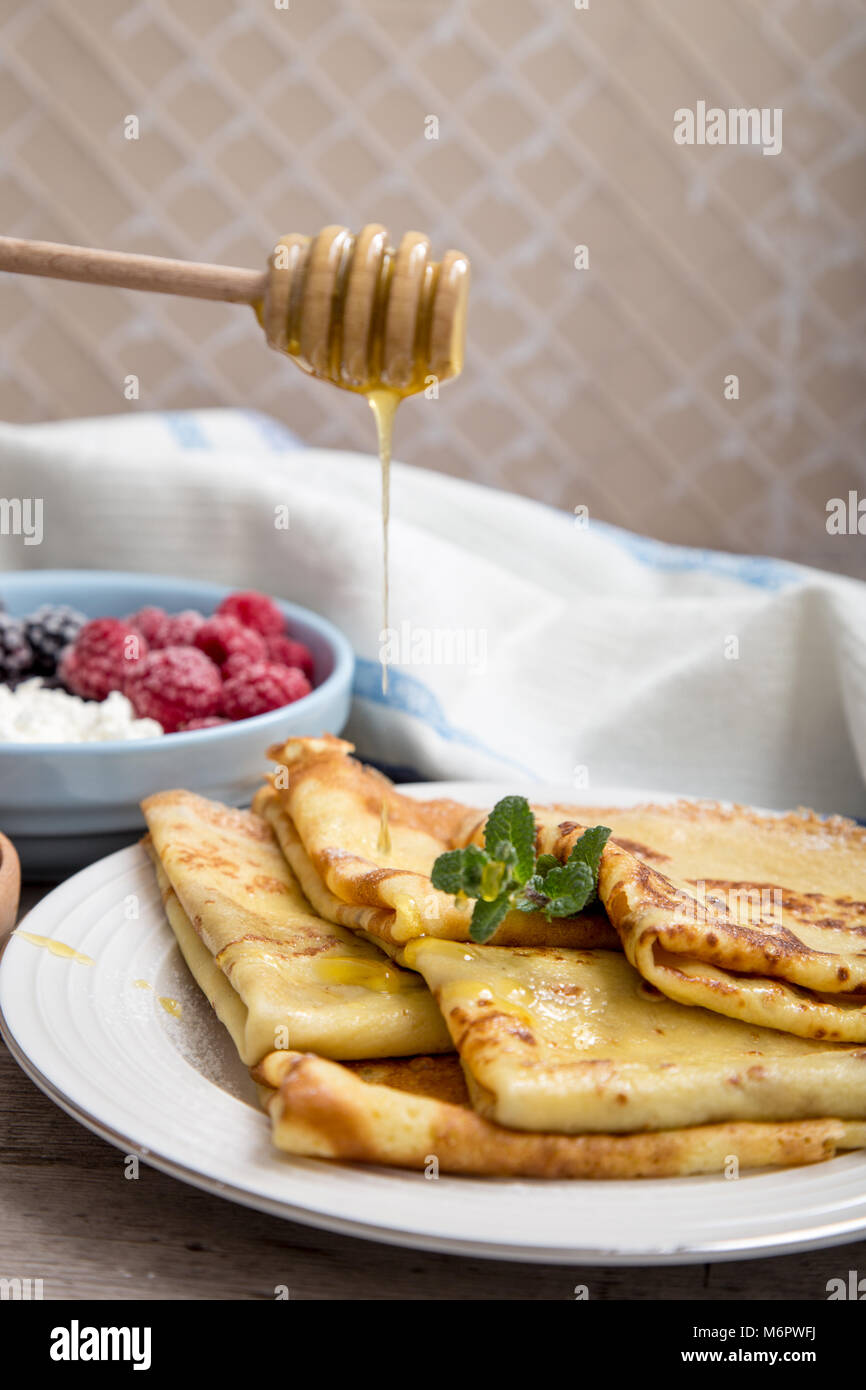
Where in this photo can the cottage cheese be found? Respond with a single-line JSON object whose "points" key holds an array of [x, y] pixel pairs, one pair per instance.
{"points": [[33, 714]]}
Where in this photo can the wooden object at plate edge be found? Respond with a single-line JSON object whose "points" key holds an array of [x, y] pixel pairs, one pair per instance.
{"points": [[10, 885]]}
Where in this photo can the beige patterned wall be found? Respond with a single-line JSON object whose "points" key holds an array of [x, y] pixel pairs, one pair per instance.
{"points": [[603, 385]]}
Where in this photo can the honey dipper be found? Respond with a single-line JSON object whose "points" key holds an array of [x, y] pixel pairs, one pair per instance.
{"points": [[350, 309]]}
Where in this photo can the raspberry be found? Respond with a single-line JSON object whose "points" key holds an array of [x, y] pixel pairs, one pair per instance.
{"points": [[174, 685], [152, 623], [262, 687], [254, 610], [16, 653], [285, 651], [233, 666], [163, 629], [182, 628], [49, 630], [210, 722], [104, 653], [222, 637]]}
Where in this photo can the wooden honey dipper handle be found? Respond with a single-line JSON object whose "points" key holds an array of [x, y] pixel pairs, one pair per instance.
{"points": [[131, 272], [347, 308]]}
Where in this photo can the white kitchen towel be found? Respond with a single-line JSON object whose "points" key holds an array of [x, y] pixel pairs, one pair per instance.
{"points": [[528, 644]]}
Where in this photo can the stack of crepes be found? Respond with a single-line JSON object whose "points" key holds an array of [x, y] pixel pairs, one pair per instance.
{"points": [[707, 1013]]}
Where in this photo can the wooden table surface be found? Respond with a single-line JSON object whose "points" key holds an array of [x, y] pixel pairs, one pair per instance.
{"points": [[70, 1217]]}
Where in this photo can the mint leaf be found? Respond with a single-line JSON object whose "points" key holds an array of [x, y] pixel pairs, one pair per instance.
{"points": [[531, 897], [486, 918], [561, 890], [509, 835], [460, 871], [588, 849], [568, 889]]}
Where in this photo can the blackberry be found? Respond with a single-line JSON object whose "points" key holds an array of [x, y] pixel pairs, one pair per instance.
{"points": [[49, 631], [16, 653]]}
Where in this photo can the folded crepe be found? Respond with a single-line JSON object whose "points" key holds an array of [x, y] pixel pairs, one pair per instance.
{"points": [[368, 868], [275, 973], [761, 918], [575, 1041], [409, 1113]]}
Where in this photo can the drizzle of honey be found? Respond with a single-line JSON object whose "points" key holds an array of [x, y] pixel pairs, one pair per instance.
{"points": [[505, 995], [366, 375], [492, 877], [171, 1006], [142, 984], [478, 993], [408, 909], [437, 945], [371, 974], [56, 948], [383, 844], [384, 407]]}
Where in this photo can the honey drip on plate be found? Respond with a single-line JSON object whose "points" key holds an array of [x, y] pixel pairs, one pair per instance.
{"points": [[56, 948], [383, 844], [171, 1006], [370, 974]]}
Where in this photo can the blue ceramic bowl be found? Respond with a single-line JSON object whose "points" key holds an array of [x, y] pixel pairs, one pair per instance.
{"points": [[66, 804]]}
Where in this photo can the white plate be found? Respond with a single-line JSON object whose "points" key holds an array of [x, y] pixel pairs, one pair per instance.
{"points": [[173, 1091]]}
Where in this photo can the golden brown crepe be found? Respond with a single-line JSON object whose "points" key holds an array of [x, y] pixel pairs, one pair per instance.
{"points": [[575, 1042], [276, 973], [570, 1064], [412, 1114], [331, 833], [759, 917]]}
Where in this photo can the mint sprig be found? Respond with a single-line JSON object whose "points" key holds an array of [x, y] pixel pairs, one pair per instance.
{"points": [[509, 835], [506, 875]]}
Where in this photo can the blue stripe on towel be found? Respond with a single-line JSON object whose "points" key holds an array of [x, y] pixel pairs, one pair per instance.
{"points": [[411, 696], [758, 570], [275, 434], [184, 428]]}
